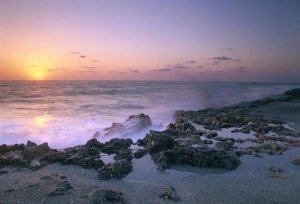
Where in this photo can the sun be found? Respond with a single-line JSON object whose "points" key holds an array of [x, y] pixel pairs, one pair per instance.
{"points": [[37, 76]]}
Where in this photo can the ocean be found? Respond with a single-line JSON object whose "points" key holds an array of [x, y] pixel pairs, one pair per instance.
{"points": [[68, 113]]}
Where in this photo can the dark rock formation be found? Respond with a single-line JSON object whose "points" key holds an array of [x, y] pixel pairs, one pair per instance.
{"points": [[133, 124], [117, 169], [140, 153], [169, 193], [156, 142], [216, 158], [101, 195]]}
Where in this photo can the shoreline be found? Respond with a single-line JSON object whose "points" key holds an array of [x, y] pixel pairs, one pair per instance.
{"points": [[134, 173]]}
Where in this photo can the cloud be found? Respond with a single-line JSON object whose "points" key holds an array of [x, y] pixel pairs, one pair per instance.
{"points": [[223, 58], [76, 53], [191, 61], [242, 69], [236, 60], [199, 67], [220, 71], [228, 48], [216, 63], [87, 71], [135, 71], [89, 68], [82, 56], [55, 69], [118, 72], [95, 60], [162, 70], [177, 66]]}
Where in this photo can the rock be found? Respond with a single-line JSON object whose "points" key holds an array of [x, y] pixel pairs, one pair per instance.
{"points": [[123, 154], [216, 158], [276, 172], [35, 164], [61, 187], [9, 148], [30, 144], [84, 157], [210, 134], [35, 151], [101, 195], [169, 193], [156, 142], [117, 169], [140, 153], [297, 160], [115, 145], [133, 124], [93, 143], [96, 135], [207, 142], [3, 172]]}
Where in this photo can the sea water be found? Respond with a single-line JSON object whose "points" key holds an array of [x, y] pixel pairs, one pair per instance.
{"points": [[68, 113]]}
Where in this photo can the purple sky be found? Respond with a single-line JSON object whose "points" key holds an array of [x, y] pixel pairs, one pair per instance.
{"points": [[257, 40]]}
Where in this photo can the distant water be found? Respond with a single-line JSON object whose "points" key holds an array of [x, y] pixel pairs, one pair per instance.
{"points": [[67, 113]]}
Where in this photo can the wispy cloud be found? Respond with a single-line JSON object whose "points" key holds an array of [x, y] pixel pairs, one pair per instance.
{"points": [[118, 72], [82, 56], [162, 70], [236, 60], [55, 69], [228, 48], [86, 71], [200, 67], [76, 53], [216, 63], [222, 58], [89, 67], [95, 60], [134, 71], [177, 66], [191, 61], [242, 69]]}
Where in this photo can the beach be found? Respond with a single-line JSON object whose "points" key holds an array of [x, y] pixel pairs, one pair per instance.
{"points": [[267, 175]]}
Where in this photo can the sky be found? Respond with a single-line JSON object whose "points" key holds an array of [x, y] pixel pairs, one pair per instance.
{"points": [[207, 40]]}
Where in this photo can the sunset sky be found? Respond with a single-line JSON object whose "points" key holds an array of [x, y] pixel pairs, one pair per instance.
{"points": [[232, 40]]}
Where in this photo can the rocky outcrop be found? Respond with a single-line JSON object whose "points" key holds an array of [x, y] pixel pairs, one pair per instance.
{"points": [[165, 151], [157, 141], [216, 158], [297, 160], [169, 193], [133, 124], [117, 169], [102, 195]]}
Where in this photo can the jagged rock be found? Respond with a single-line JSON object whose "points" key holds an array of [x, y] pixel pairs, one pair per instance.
{"points": [[276, 172], [297, 160], [140, 153], [123, 154], [117, 169], [101, 195], [30, 144], [156, 142], [169, 193], [133, 124], [210, 134], [93, 143], [61, 187], [35, 164], [115, 145], [217, 158]]}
